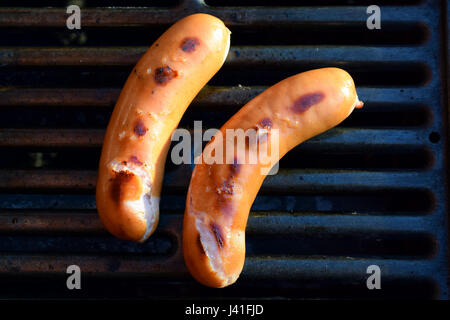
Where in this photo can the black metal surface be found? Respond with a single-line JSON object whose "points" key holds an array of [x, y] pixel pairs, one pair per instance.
{"points": [[372, 191]]}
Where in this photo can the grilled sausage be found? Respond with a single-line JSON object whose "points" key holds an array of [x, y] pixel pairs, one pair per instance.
{"points": [[156, 94], [220, 195]]}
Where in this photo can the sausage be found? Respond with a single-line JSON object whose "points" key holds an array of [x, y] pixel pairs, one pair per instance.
{"points": [[220, 195], [156, 94]]}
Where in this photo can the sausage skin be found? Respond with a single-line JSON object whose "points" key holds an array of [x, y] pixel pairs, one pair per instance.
{"points": [[220, 195], [156, 94]]}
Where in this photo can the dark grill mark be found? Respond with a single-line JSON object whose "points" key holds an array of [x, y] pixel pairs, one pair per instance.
{"points": [[164, 74], [265, 123], [189, 44], [140, 129], [307, 101], [223, 199], [135, 160], [227, 188], [235, 167], [120, 178], [217, 231]]}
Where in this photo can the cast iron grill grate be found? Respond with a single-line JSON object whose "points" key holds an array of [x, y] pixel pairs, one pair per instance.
{"points": [[371, 191]]}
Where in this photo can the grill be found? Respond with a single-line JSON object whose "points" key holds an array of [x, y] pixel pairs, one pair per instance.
{"points": [[372, 191]]}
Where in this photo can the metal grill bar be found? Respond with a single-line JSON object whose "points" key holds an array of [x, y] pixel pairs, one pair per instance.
{"points": [[106, 97], [318, 268], [255, 268], [284, 181], [259, 223], [233, 16], [403, 202], [51, 137], [342, 137], [286, 225], [239, 55]]}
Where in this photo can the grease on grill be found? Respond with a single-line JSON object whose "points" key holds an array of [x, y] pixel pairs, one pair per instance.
{"points": [[307, 101], [140, 129], [189, 44], [164, 74]]}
